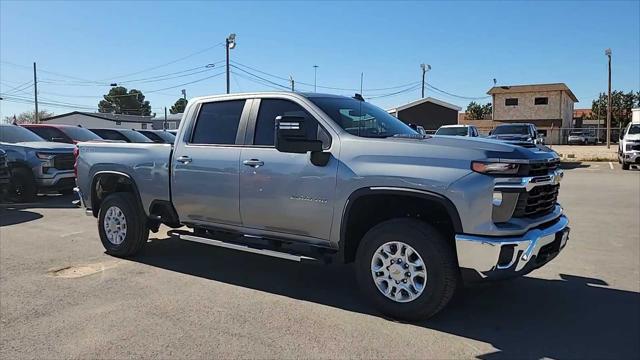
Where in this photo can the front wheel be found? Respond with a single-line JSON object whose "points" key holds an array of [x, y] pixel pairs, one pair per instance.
{"points": [[407, 269], [22, 187], [625, 166], [122, 225]]}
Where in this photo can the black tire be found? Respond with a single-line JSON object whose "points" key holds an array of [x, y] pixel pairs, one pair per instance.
{"points": [[137, 232], [23, 186], [439, 259], [625, 166]]}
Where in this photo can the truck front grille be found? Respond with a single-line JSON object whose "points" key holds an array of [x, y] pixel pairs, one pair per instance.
{"points": [[541, 200], [539, 169], [633, 147], [63, 161]]}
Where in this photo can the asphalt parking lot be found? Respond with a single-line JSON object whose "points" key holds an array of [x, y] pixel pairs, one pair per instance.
{"points": [[62, 297]]}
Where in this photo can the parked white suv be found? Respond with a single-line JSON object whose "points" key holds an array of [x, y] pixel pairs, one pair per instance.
{"points": [[629, 146], [458, 130]]}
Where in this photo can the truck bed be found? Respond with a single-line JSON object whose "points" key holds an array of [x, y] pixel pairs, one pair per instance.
{"points": [[148, 165]]}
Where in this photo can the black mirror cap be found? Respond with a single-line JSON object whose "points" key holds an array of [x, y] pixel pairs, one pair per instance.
{"points": [[291, 136]]}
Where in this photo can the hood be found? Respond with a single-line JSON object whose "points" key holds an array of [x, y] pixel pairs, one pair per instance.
{"points": [[46, 145], [510, 137], [455, 148], [632, 137]]}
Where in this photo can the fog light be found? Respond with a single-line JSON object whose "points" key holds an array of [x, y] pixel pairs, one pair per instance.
{"points": [[497, 198]]}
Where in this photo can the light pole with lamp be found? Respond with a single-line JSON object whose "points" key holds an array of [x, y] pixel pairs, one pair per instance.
{"points": [[230, 42]]}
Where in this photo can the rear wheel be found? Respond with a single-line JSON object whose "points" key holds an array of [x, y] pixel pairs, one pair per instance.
{"points": [[407, 269], [23, 186], [122, 225]]}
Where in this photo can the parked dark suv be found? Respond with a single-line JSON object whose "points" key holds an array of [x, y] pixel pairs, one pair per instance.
{"points": [[62, 133], [125, 135], [159, 136]]}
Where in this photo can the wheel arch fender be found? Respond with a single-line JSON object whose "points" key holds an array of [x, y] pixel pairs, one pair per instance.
{"points": [[115, 178], [347, 247]]}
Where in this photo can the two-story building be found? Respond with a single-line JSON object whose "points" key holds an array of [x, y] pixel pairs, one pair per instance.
{"points": [[548, 106]]}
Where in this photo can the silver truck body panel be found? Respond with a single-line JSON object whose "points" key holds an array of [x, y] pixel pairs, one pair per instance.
{"points": [[260, 191]]}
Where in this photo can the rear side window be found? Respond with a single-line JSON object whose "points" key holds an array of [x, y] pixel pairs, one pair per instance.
{"points": [[217, 123], [50, 134], [269, 110]]}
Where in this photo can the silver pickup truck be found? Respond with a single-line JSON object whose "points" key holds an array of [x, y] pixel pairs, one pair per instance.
{"points": [[321, 177]]}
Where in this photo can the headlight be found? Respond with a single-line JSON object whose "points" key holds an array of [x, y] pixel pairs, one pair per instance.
{"points": [[496, 168], [46, 159]]}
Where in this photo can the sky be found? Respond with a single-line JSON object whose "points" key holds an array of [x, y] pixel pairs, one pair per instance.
{"points": [[162, 47]]}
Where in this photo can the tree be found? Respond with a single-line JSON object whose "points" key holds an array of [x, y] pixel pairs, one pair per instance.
{"points": [[121, 101], [179, 106], [476, 111], [28, 117], [621, 105]]}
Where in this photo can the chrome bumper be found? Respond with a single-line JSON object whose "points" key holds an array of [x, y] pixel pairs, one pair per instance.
{"points": [[499, 257], [80, 202], [631, 156]]}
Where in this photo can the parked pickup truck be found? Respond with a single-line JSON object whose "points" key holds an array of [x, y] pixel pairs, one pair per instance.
{"points": [[313, 176], [35, 164]]}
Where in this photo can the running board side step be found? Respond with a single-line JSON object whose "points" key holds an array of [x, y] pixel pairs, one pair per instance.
{"points": [[245, 248]]}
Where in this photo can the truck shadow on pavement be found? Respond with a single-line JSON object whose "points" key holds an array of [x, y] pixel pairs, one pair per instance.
{"points": [[572, 317], [18, 213]]}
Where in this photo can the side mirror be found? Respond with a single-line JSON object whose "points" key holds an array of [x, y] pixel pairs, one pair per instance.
{"points": [[291, 136], [490, 132], [621, 135]]}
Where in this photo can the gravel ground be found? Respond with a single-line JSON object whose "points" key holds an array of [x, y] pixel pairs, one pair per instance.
{"points": [[62, 297]]}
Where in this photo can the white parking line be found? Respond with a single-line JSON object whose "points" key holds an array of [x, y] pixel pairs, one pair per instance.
{"points": [[611, 165]]}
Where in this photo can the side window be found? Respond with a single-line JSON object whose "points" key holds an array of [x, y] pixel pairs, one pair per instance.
{"points": [[217, 123], [111, 135], [272, 108], [49, 134]]}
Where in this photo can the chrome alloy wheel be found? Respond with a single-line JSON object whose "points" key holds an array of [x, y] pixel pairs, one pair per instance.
{"points": [[398, 271], [115, 225]]}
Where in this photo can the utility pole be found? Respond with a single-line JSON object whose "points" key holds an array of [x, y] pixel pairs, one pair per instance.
{"points": [[184, 94], [315, 77], [35, 92], [164, 124], [293, 83], [230, 42], [425, 68], [608, 53]]}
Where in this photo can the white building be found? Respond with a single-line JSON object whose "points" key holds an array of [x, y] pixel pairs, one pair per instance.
{"points": [[93, 120]]}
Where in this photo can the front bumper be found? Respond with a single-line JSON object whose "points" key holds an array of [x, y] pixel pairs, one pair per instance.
{"points": [[631, 157], [64, 179], [485, 257]]}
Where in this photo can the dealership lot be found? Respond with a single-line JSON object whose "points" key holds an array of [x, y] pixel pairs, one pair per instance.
{"points": [[62, 297]]}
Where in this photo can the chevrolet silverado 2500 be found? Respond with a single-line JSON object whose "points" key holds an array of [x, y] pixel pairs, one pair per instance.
{"points": [[313, 176]]}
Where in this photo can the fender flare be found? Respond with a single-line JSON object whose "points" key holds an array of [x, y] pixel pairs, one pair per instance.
{"points": [[390, 190], [97, 175]]}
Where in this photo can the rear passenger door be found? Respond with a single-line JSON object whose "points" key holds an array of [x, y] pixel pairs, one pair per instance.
{"points": [[284, 194], [205, 176]]}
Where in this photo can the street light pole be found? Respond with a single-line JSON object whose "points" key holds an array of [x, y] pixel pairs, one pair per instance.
{"points": [[230, 42], [35, 92], [315, 77], [425, 68], [608, 53]]}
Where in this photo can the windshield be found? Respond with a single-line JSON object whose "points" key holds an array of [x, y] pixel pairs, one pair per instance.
{"points": [[576, 133], [634, 129], [166, 136], [511, 130], [362, 119], [456, 131], [135, 136], [79, 134], [15, 134]]}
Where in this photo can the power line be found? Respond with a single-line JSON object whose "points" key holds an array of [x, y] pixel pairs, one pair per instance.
{"points": [[414, 87], [326, 87], [187, 83], [19, 88], [264, 83], [167, 63], [261, 78], [458, 96]]}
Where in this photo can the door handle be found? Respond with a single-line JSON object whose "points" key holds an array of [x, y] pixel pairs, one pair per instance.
{"points": [[184, 159], [253, 163]]}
